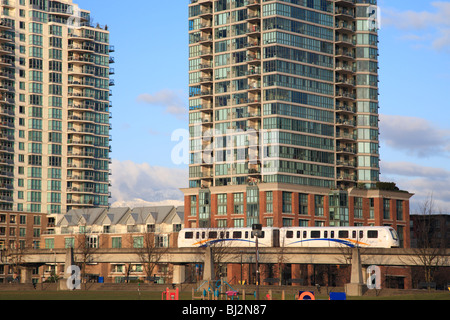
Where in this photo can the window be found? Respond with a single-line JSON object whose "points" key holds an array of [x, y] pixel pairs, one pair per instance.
{"points": [[315, 234], [138, 242], [386, 208], [269, 201], [343, 234], [372, 234], [303, 203], [287, 202], [92, 242], [222, 204], [237, 234], [69, 243], [289, 234], [117, 242], [189, 235], [212, 235]]}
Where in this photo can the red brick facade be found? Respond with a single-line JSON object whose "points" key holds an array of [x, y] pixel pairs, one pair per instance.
{"points": [[373, 213]]}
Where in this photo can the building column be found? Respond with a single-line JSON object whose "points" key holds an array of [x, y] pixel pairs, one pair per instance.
{"points": [[179, 274]]}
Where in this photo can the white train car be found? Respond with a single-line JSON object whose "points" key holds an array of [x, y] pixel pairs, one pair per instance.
{"points": [[229, 237], [320, 237]]}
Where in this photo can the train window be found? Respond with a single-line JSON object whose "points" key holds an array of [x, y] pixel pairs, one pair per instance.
{"points": [[332, 234], [222, 235], [289, 234], [228, 234], [212, 235], [361, 234], [203, 234], [372, 234], [246, 234], [298, 234], [237, 234], [263, 234], [343, 234], [354, 234], [197, 235], [304, 235], [325, 234], [189, 235], [315, 234]]}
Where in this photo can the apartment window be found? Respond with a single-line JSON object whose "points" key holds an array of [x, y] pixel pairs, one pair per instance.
{"points": [[399, 210], [372, 209], [303, 223], [92, 242], [318, 200], [303, 203], [222, 204], [252, 206], [238, 223], [116, 242], [49, 243], [287, 222], [386, 208], [287, 202], [162, 241], [238, 203], [138, 242], [358, 207], [269, 201], [69, 243]]}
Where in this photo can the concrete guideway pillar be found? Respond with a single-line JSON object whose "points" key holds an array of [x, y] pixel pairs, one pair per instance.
{"points": [[356, 287]]}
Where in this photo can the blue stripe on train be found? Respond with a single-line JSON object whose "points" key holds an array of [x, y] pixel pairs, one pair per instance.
{"points": [[344, 242], [209, 243]]}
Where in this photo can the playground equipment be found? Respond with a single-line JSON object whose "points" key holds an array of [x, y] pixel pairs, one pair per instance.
{"points": [[306, 295], [170, 294]]}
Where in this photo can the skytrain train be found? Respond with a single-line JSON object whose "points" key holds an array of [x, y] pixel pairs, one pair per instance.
{"points": [[291, 237]]}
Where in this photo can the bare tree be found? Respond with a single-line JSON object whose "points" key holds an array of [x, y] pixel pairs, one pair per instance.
{"points": [[86, 246], [429, 250], [15, 258], [151, 252]]}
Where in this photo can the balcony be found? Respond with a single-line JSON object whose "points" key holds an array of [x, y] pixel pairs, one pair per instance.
{"points": [[346, 149], [345, 122], [81, 60], [348, 96], [81, 48], [344, 13], [346, 136]]}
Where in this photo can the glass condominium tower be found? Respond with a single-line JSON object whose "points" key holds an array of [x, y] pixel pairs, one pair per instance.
{"points": [[55, 107], [282, 92]]}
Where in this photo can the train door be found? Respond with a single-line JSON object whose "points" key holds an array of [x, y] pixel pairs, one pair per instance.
{"points": [[276, 238]]}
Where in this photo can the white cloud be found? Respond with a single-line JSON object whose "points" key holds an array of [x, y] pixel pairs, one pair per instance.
{"points": [[172, 102], [435, 24], [136, 184], [421, 180], [418, 20], [416, 136]]}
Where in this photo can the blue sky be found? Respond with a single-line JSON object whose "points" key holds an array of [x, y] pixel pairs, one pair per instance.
{"points": [[151, 94]]}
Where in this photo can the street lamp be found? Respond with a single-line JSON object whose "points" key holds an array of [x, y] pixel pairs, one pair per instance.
{"points": [[257, 232]]}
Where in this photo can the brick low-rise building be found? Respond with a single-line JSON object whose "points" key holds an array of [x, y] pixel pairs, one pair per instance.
{"points": [[19, 231], [91, 232]]}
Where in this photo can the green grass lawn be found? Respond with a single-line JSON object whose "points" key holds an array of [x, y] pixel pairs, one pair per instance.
{"points": [[145, 295]]}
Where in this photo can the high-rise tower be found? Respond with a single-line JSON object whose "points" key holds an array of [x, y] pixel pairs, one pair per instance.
{"points": [[55, 107], [283, 112]]}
